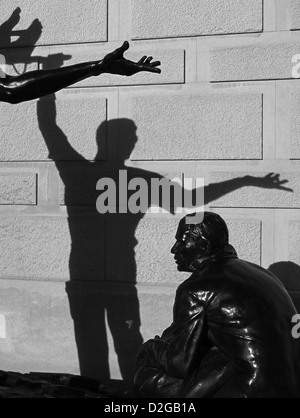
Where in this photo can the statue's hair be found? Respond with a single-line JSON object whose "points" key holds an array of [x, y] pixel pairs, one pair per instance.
{"points": [[212, 230]]}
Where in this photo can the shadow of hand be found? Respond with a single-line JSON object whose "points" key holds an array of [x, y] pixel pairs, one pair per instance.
{"points": [[54, 61], [27, 37], [7, 27], [270, 181]]}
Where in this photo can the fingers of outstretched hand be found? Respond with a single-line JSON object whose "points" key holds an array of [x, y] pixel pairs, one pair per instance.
{"points": [[271, 176], [151, 69], [149, 66], [272, 180], [155, 63], [281, 183], [142, 60], [286, 189], [37, 25]]}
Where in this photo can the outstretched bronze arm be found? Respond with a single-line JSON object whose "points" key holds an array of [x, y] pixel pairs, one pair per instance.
{"points": [[35, 84]]}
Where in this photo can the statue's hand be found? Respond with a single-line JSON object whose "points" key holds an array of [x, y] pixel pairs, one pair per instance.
{"points": [[115, 63], [270, 181]]}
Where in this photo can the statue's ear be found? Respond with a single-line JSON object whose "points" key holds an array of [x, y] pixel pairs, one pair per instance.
{"points": [[204, 246]]}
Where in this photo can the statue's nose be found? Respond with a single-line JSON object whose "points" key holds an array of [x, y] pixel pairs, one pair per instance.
{"points": [[174, 248]]}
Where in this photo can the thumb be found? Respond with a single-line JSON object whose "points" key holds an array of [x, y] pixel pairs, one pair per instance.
{"points": [[120, 51], [125, 46]]}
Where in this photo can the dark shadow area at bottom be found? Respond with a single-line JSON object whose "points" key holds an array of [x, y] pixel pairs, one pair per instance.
{"points": [[114, 303]]}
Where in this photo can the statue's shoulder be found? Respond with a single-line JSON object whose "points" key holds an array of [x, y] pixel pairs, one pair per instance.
{"points": [[200, 285]]}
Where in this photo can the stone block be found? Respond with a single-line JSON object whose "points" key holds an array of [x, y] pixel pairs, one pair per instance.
{"points": [[198, 127], [62, 23], [176, 18]]}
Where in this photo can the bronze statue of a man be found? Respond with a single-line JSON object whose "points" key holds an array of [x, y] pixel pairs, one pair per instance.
{"points": [[35, 84], [231, 332]]}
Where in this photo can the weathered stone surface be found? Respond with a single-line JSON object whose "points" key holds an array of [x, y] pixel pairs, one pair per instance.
{"points": [[174, 18], [156, 237], [253, 62], [245, 236], [295, 126], [67, 22], [39, 330], [18, 188], [198, 127], [65, 128], [295, 14], [40, 247]]}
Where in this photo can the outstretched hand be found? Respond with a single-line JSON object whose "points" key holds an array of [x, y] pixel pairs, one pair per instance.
{"points": [[115, 63], [270, 181]]}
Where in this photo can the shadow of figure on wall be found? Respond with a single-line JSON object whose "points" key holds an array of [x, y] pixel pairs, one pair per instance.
{"points": [[91, 303], [289, 275], [118, 303]]}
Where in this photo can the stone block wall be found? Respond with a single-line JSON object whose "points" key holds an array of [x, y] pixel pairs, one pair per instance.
{"points": [[79, 291]]}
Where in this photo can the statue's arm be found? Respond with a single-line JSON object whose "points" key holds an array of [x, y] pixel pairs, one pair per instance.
{"points": [[35, 84]]}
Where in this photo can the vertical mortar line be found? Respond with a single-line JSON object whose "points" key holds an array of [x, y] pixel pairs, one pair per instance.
{"points": [[42, 185], [125, 16], [283, 98], [282, 15], [113, 20], [282, 218], [277, 120], [263, 127], [107, 20], [269, 121], [267, 237], [261, 242], [263, 15], [269, 15], [37, 188]]}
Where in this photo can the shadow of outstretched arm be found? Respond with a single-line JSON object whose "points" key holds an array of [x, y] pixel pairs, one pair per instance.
{"points": [[198, 197], [56, 140], [215, 191]]}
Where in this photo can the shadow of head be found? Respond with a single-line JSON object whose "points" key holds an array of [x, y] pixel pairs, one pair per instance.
{"points": [[288, 273], [123, 137]]}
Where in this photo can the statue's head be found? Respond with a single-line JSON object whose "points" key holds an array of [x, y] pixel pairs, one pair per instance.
{"points": [[198, 241]]}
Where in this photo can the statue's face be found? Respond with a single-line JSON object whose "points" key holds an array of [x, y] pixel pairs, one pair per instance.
{"points": [[184, 249]]}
